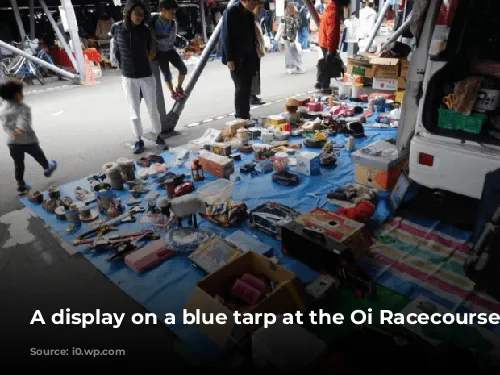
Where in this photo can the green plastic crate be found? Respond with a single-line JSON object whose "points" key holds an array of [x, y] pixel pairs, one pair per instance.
{"points": [[452, 120]]}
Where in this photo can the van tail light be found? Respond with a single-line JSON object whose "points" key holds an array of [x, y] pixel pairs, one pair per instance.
{"points": [[425, 159]]}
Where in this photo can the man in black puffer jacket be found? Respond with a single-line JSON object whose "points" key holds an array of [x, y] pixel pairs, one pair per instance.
{"points": [[131, 45]]}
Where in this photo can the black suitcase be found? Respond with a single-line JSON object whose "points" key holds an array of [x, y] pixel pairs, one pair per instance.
{"points": [[483, 264]]}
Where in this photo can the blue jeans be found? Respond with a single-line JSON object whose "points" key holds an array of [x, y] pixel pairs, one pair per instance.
{"points": [[304, 37]]}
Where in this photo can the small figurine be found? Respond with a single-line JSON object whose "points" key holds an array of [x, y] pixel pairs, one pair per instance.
{"points": [[327, 156], [292, 114]]}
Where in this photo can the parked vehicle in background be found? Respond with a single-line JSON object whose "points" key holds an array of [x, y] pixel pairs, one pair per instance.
{"points": [[457, 38]]}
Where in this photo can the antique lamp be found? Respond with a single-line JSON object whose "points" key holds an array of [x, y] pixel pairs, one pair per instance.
{"points": [[197, 171]]}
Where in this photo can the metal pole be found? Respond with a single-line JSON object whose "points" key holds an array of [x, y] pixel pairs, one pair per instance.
{"points": [[19, 21], [404, 11], [75, 38], [394, 37], [160, 98], [38, 61], [32, 19], [59, 34], [203, 20], [175, 112], [381, 18]]}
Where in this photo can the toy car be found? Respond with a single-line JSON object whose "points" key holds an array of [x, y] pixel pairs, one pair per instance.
{"points": [[269, 216], [184, 188]]}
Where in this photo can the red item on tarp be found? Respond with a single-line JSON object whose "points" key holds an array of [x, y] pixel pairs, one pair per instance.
{"points": [[315, 107], [362, 213]]}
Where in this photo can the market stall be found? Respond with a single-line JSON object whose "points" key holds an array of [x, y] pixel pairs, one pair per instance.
{"points": [[264, 204]]}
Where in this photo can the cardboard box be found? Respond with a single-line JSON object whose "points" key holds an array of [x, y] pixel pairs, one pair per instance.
{"points": [[308, 163], [400, 95], [385, 68], [275, 120], [405, 65], [340, 234], [287, 297], [352, 79], [401, 83], [216, 165], [221, 149], [379, 172], [232, 127], [385, 84], [361, 68]]}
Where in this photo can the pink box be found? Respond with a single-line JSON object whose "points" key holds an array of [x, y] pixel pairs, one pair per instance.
{"points": [[315, 107], [148, 257]]}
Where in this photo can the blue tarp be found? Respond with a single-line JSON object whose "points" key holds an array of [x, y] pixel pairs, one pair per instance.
{"points": [[167, 288]]}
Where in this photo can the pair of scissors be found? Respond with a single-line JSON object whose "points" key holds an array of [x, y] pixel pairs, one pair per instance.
{"points": [[449, 101]]}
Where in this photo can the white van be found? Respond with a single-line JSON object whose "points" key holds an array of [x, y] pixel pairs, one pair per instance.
{"points": [[442, 159]]}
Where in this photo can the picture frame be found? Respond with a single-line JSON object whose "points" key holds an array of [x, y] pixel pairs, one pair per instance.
{"points": [[398, 194]]}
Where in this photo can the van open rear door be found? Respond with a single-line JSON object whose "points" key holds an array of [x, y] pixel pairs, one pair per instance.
{"points": [[430, 19]]}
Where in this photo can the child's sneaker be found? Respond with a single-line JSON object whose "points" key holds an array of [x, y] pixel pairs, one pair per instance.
{"points": [[52, 167], [23, 188], [180, 93], [161, 143]]}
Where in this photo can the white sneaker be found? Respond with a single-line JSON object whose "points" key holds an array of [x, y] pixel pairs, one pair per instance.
{"points": [[289, 71], [299, 70]]}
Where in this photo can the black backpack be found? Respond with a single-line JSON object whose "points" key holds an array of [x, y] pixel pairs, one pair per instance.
{"points": [[332, 66]]}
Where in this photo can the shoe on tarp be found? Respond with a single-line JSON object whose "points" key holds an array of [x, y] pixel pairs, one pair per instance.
{"points": [[52, 167]]}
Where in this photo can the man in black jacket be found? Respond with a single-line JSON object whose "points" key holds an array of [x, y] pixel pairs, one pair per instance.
{"points": [[239, 52], [131, 44]]}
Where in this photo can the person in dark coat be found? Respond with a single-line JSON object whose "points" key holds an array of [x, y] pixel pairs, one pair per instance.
{"points": [[131, 46], [239, 52]]}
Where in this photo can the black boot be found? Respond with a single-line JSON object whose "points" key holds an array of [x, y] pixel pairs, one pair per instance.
{"points": [[256, 101]]}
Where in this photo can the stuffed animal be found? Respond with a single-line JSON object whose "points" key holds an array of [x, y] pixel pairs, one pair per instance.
{"points": [[186, 205]]}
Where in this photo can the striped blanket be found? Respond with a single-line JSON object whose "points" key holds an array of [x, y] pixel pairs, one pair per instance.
{"points": [[418, 257]]}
